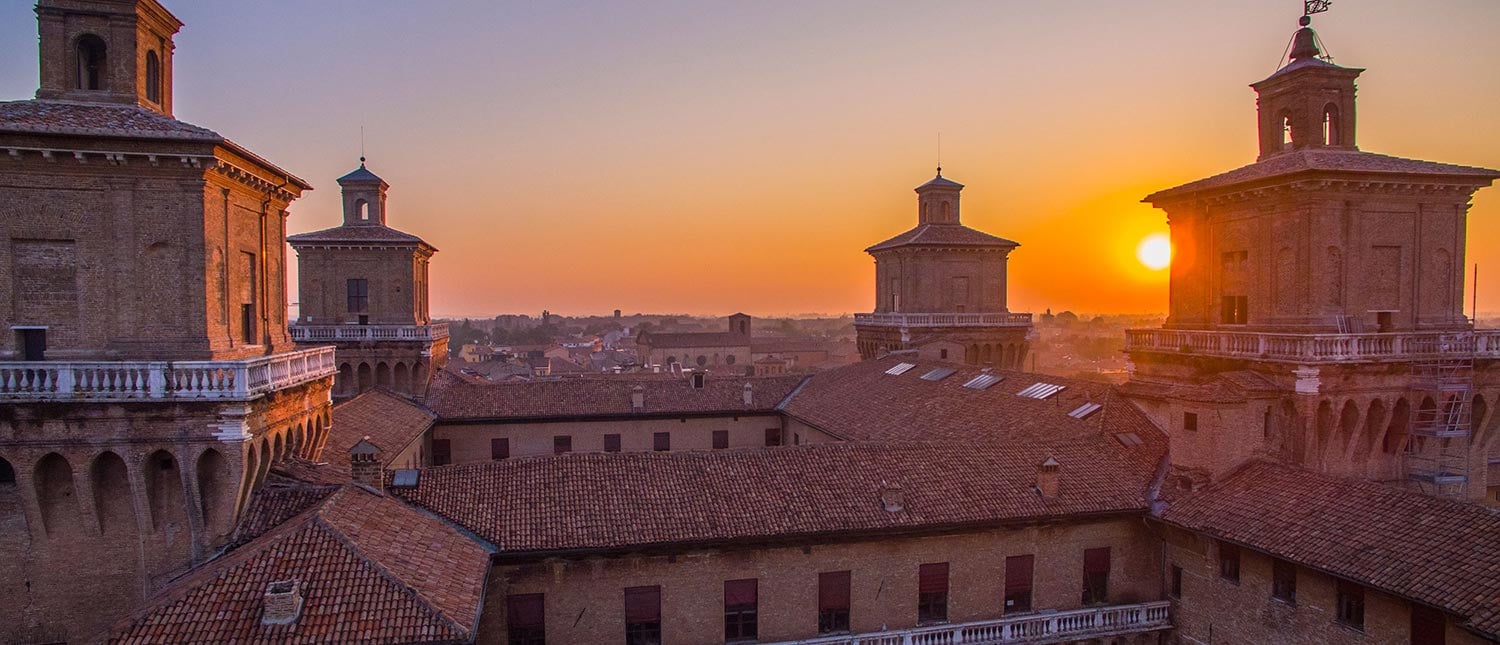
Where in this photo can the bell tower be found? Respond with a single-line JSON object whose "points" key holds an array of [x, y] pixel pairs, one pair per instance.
{"points": [[103, 51], [364, 197], [1307, 104]]}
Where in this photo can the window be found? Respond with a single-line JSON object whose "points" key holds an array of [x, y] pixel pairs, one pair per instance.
{"points": [[442, 452], [362, 210], [33, 344], [739, 610], [729, 360], [611, 443], [661, 441], [721, 439], [701, 360], [1176, 582], [1018, 583], [562, 443], [359, 295], [500, 448], [1096, 576], [1331, 125], [1229, 562], [773, 436], [1233, 310], [525, 617], [1286, 130], [643, 615], [833, 602], [153, 77], [248, 309], [943, 354], [1351, 605], [1190, 421], [1284, 581], [932, 592], [7, 473], [91, 62]]}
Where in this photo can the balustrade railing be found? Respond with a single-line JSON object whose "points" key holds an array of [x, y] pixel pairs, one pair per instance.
{"points": [[945, 320], [1046, 627], [1316, 348], [332, 333], [161, 380]]}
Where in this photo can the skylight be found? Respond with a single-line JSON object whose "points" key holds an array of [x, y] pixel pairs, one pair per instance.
{"points": [[1041, 391], [1128, 439], [405, 478], [983, 381], [1085, 410], [900, 368], [939, 374]]}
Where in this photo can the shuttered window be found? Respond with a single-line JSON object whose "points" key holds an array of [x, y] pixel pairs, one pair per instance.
{"points": [[611, 443], [661, 441], [525, 619], [1018, 583], [500, 448], [932, 592], [643, 615], [833, 602], [442, 452], [721, 439], [740, 605], [1096, 576]]}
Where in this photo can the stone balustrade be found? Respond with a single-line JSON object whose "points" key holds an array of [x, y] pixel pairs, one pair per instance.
{"points": [[1316, 348], [335, 333], [944, 320], [1041, 627], [162, 380]]}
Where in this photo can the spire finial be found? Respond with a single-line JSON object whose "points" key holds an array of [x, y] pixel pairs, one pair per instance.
{"points": [[940, 155]]}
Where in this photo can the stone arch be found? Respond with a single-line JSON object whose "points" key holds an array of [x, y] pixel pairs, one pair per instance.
{"points": [[971, 355], [278, 447], [92, 58], [1427, 416], [382, 374], [987, 356], [264, 465], [1010, 356], [1345, 434], [345, 381], [1324, 436], [1481, 422], [247, 476], [1396, 431], [213, 489], [418, 377], [7, 473], [1373, 428], [1331, 133], [294, 441], [365, 378], [164, 490], [402, 377], [55, 494], [110, 481]]}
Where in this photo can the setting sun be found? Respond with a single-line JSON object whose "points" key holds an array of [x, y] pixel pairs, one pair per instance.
{"points": [[1155, 251]]}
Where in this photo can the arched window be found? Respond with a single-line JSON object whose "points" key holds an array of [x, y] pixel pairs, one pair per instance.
{"points": [[1286, 129], [153, 77], [7, 473], [702, 360], [1331, 126], [362, 210], [947, 217], [91, 62]]}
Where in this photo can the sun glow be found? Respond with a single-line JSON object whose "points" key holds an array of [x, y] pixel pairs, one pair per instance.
{"points": [[1155, 251]]}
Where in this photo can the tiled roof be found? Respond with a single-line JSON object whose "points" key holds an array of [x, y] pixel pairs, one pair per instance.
{"points": [[453, 398], [943, 235], [618, 500], [98, 120], [691, 339], [391, 421], [1325, 161], [1436, 551], [366, 233], [772, 344], [360, 174], [275, 503], [861, 402], [1226, 387], [375, 571]]}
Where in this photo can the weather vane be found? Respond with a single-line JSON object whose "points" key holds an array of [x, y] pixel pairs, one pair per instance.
{"points": [[1310, 7]]}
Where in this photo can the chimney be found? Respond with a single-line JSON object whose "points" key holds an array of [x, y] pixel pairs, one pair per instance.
{"points": [[749, 395], [364, 464], [283, 602], [892, 498], [638, 398], [1047, 478]]}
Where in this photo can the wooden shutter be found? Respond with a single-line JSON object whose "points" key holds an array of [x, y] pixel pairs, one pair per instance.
{"points": [[526, 610], [1096, 560], [739, 593], [643, 604], [833, 590], [933, 578], [1018, 573]]}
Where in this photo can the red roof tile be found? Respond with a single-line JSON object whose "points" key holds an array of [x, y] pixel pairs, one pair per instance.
{"points": [[380, 235], [95, 119], [691, 339], [621, 500], [453, 397], [374, 570], [1438, 552], [1323, 162], [390, 421], [943, 235]]}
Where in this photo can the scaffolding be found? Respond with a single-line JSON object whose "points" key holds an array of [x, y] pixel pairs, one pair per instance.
{"points": [[1437, 450]]}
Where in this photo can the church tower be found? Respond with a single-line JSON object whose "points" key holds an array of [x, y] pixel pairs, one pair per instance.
{"points": [[941, 287], [147, 379], [1316, 308], [363, 288]]}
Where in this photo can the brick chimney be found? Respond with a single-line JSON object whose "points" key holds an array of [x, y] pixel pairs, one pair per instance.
{"points": [[283, 602], [364, 464], [1047, 478], [892, 497], [638, 398], [749, 395]]}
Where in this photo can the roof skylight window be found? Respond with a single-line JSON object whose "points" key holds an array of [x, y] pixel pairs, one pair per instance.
{"points": [[1041, 391], [900, 368]]}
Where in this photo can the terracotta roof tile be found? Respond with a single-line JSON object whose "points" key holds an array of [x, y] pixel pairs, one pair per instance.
{"points": [[453, 397], [276, 503], [943, 235], [94, 119], [691, 339], [390, 420], [623, 500], [374, 570], [356, 234], [1324, 161], [1438, 552]]}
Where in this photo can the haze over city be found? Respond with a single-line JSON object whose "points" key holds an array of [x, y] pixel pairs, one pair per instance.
{"points": [[741, 155]]}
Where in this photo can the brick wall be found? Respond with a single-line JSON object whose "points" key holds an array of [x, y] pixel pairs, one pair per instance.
{"points": [[471, 442]]}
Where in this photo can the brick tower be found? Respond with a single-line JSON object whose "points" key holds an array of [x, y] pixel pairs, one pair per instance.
{"points": [[1317, 304], [147, 380], [941, 286], [363, 288]]}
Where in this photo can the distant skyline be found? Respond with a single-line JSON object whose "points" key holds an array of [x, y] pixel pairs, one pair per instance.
{"points": [[706, 157]]}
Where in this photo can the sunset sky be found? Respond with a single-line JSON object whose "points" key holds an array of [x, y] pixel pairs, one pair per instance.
{"points": [[707, 157]]}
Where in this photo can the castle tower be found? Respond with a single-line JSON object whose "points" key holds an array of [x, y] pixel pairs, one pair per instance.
{"points": [[146, 375], [1317, 304], [941, 286], [363, 288]]}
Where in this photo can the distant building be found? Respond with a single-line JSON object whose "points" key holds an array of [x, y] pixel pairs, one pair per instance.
{"points": [[363, 288], [943, 280]]}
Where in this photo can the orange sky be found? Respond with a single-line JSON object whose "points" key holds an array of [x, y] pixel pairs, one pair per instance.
{"points": [[706, 157]]}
